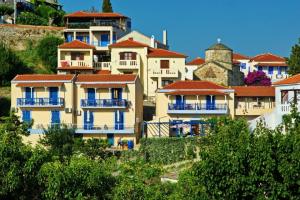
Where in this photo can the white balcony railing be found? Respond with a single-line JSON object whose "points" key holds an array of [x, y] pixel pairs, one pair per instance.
{"points": [[128, 64], [164, 73], [102, 65], [286, 108], [75, 63]]}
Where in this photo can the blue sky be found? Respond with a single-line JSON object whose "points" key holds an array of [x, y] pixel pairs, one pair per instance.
{"points": [[249, 27]]}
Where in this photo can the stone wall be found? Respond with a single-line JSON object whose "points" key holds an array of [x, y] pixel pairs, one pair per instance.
{"points": [[16, 36]]}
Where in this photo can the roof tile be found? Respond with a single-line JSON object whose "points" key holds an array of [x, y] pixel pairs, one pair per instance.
{"points": [[106, 78], [162, 53], [128, 43], [193, 85], [197, 61], [268, 57], [76, 44], [80, 14], [254, 91], [43, 77], [291, 80]]}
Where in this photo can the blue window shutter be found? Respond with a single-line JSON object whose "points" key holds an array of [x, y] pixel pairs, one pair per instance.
{"points": [[213, 107], [270, 70], [27, 93], [178, 100], [55, 118], [120, 90], [88, 39], [104, 40], [121, 121], [208, 102], [116, 120], [53, 95], [26, 116], [91, 122], [85, 119]]}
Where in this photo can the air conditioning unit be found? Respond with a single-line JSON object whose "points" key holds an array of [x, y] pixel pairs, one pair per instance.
{"points": [[68, 110], [78, 112]]}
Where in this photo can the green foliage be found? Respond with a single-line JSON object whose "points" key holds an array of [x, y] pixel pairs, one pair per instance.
{"points": [[29, 18], [47, 51], [107, 7], [294, 60], [10, 65], [4, 106], [53, 16], [169, 150], [82, 178], [59, 141], [92, 148], [6, 10], [240, 165]]}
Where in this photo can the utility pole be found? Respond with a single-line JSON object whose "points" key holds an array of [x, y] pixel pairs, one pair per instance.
{"points": [[15, 11]]}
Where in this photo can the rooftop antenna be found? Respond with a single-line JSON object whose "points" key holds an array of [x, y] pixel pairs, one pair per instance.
{"points": [[219, 40]]}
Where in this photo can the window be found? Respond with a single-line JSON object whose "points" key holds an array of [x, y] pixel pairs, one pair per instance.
{"points": [[77, 56], [260, 68], [243, 65], [270, 70], [164, 64], [128, 56]]}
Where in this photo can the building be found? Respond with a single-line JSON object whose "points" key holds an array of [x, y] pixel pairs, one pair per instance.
{"points": [[45, 99], [242, 61], [219, 67], [287, 92], [274, 66], [109, 106], [253, 101], [100, 106], [155, 67], [190, 67], [189, 103]]}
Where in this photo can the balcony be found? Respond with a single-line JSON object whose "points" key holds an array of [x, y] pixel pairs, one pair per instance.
{"points": [[168, 73], [74, 63], [197, 109], [40, 102], [104, 103], [102, 66], [89, 128], [287, 108], [87, 25], [128, 64]]}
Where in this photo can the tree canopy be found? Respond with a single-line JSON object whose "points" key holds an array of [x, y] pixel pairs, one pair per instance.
{"points": [[294, 60], [107, 7]]}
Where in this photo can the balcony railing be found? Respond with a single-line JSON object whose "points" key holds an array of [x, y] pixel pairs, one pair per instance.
{"points": [[128, 64], [86, 25], [40, 102], [287, 108], [102, 65], [101, 44], [198, 108], [75, 63], [104, 103], [164, 73]]}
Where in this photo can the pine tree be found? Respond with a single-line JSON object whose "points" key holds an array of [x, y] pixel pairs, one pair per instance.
{"points": [[294, 60], [107, 7]]}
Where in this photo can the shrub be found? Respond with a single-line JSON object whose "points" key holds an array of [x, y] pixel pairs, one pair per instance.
{"points": [[258, 78], [6, 10], [31, 19]]}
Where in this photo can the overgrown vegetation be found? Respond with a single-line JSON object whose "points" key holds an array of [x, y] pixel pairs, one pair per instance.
{"points": [[107, 7], [294, 60], [6, 10], [233, 164]]}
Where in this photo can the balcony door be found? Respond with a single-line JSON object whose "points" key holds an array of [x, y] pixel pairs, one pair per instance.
{"points": [[26, 116], [29, 96], [180, 101], [91, 97], [119, 120], [210, 102], [53, 95], [88, 118]]}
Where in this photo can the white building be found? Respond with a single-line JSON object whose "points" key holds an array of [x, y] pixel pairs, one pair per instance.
{"points": [[190, 67]]}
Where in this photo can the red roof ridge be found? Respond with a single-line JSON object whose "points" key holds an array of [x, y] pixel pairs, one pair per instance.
{"points": [[43, 77], [197, 61], [194, 81], [266, 54], [76, 44], [95, 14], [158, 52], [240, 56], [128, 43], [106, 77]]}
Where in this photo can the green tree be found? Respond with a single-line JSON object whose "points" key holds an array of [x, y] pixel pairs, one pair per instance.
{"points": [[59, 141], [294, 60], [29, 18], [82, 178], [47, 51], [10, 65], [92, 148], [6, 10], [107, 7]]}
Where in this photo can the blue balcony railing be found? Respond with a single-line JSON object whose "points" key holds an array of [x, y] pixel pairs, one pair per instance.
{"points": [[196, 106], [104, 103], [40, 102]]}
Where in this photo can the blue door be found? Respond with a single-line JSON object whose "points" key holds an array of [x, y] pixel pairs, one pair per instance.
{"points": [[116, 96], [270, 70], [88, 118], [119, 120], [55, 118], [210, 102], [111, 139], [104, 40], [53, 95], [29, 96], [91, 97], [26, 116], [180, 101]]}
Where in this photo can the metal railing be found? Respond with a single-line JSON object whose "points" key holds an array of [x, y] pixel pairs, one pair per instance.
{"points": [[104, 103], [86, 25], [197, 106], [40, 102]]}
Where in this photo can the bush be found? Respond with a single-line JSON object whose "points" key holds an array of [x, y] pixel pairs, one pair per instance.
{"points": [[47, 51], [6, 10], [31, 19], [258, 78]]}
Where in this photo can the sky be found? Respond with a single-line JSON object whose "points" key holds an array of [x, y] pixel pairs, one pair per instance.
{"points": [[249, 27]]}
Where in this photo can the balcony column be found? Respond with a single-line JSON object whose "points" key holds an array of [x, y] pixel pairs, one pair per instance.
{"points": [[74, 35], [111, 36], [197, 102]]}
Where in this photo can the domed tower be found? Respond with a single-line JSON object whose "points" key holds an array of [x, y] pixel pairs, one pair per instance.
{"points": [[219, 53]]}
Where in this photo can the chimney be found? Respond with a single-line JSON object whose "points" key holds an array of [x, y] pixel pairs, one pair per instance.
{"points": [[165, 37], [152, 41]]}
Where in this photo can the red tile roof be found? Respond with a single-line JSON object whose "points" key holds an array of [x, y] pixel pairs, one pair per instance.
{"points": [[268, 57], [162, 53], [237, 56], [127, 44], [43, 77], [103, 85], [254, 91], [202, 92], [291, 80], [193, 85], [76, 44], [102, 72], [197, 61], [278, 64], [82, 14], [40, 84], [106, 78]]}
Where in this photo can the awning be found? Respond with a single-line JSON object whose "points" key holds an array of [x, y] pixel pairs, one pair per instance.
{"points": [[272, 64], [40, 84], [195, 92], [103, 85]]}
